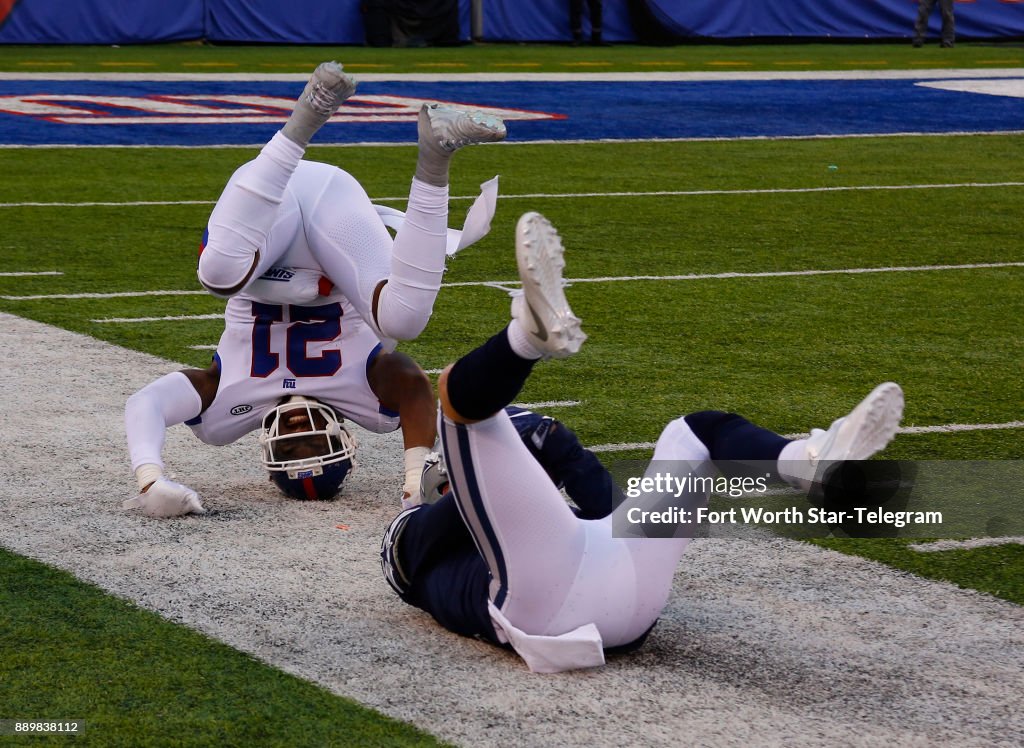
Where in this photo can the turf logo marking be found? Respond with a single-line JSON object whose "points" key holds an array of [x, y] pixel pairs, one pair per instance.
{"points": [[5, 9], [75, 109]]}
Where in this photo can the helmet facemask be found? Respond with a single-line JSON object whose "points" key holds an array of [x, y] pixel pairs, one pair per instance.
{"points": [[299, 439]]}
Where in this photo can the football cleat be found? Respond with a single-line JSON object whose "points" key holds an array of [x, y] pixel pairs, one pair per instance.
{"points": [[326, 90], [542, 309], [865, 431], [452, 128]]}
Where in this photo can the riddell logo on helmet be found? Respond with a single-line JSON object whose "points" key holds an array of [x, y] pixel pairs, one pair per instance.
{"points": [[304, 474], [239, 410]]}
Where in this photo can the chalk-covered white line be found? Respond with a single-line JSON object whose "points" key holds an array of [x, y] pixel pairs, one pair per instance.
{"points": [[963, 545], [209, 347], [571, 195], [26, 274], [567, 77], [937, 429]]}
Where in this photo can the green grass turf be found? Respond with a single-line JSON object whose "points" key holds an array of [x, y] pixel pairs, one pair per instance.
{"points": [[506, 58], [791, 353], [74, 652]]}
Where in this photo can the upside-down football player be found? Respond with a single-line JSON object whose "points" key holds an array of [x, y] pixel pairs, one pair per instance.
{"points": [[319, 294], [501, 555]]}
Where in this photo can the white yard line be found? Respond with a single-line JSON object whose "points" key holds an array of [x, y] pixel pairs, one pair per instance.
{"points": [[945, 428], [175, 318], [502, 285], [26, 274]]}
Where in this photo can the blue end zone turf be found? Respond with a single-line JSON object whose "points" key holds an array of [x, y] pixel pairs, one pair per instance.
{"points": [[203, 113]]}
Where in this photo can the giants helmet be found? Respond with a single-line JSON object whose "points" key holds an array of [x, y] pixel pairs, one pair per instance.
{"points": [[306, 449]]}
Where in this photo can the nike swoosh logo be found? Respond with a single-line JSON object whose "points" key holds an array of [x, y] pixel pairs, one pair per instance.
{"points": [[542, 332]]}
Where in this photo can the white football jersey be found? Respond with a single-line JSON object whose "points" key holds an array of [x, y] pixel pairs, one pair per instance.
{"points": [[269, 351]]}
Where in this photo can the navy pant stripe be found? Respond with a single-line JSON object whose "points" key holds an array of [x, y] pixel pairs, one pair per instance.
{"points": [[470, 502]]}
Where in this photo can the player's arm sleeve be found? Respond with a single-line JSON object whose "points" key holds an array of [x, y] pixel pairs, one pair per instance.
{"points": [[169, 400]]}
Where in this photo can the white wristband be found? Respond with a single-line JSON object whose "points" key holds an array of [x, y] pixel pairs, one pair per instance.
{"points": [[147, 474], [414, 459]]}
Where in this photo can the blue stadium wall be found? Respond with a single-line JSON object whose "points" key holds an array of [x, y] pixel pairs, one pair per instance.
{"points": [[341, 21]]}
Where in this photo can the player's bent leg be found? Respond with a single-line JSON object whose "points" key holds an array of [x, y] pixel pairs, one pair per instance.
{"points": [[569, 464], [240, 224], [655, 556], [417, 264], [405, 304], [525, 532]]}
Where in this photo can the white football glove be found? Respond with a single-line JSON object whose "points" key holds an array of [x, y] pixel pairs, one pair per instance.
{"points": [[165, 498]]}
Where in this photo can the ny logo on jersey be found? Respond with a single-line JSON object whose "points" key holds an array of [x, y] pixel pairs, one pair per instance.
{"points": [[288, 384]]}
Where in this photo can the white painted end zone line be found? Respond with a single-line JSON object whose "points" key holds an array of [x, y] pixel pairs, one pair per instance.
{"points": [[28, 274]]}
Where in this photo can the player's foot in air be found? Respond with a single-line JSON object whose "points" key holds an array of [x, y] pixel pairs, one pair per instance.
{"points": [[327, 89], [542, 310], [451, 128], [867, 429], [864, 432]]}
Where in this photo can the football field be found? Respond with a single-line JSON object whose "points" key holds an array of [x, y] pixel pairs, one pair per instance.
{"points": [[772, 247]]}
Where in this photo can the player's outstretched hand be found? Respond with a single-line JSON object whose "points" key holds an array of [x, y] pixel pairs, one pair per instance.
{"points": [[165, 498]]}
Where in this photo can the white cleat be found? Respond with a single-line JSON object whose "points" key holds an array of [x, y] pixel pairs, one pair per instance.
{"points": [[542, 310], [864, 432], [451, 128], [867, 429]]}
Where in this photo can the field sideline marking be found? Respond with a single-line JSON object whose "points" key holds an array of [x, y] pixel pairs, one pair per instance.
{"points": [[23, 274], [568, 195], [947, 428], [540, 141], [500, 285]]}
